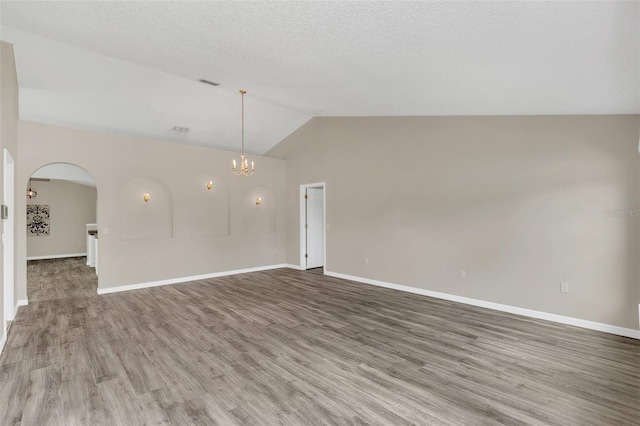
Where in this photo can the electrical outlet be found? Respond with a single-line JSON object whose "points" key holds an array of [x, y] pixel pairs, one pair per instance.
{"points": [[366, 260], [105, 231], [463, 273], [564, 287]]}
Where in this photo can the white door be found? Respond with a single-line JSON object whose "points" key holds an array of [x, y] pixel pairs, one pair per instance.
{"points": [[8, 237], [315, 227]]}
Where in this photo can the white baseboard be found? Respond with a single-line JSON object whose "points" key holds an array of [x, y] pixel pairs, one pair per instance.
{"points": [[3, 339], [292, 266], [300, 268], [607, 328], [56, 256], [20, 302], [186, 279]]}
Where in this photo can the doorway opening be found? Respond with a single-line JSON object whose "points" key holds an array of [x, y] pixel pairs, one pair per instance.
{"points": [[313, 236], [62, 247]]}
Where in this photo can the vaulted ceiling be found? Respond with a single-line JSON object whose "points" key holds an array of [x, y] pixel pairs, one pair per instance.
{"points": [[132, 67]]}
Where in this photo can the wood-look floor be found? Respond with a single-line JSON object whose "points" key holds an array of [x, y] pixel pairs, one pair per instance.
{"points": [[298, 348], [50, 279]]}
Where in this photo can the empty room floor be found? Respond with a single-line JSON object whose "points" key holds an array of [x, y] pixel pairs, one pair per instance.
{"points": [[297, 348], [50, 279]]}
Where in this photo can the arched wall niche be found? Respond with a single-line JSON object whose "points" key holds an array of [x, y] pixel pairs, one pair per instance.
{"points": [[143, 220], [258, 217], [209, 208]]}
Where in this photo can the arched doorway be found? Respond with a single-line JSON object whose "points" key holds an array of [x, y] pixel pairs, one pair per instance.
{"points": [[61, 210]]}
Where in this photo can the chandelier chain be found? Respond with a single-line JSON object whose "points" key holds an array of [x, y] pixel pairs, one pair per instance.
{"points": [[243, 92]]}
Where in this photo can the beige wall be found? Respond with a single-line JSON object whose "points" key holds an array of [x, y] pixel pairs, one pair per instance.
{"points": [[520, 203], [119, 165], [8, 134], [71, 206]]}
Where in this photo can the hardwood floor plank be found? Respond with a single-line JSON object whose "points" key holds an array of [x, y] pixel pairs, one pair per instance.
{"points": [[82, 403], [14, 388], [43, 405], [122, 403], [141, 374], [74, 358], [105, 364]]}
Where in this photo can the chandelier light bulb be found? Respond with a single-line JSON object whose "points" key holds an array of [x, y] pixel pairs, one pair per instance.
{"points": [[31, 193]]}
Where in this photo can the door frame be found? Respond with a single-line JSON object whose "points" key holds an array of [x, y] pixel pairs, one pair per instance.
{"points": [[303, 211], [9, 237]]}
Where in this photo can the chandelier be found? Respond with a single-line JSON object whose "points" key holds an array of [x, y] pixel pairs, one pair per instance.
{"points": [[30, 192], [244, 163]]}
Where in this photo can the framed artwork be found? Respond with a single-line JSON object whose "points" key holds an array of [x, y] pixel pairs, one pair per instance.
{"points": [[37, 220]]}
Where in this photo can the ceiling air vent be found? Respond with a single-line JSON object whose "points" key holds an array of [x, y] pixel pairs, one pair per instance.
{"points": [[179, 130], [202, 80]]}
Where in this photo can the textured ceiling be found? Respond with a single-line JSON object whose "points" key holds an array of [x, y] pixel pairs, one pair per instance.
{"points": [[343, 58]]}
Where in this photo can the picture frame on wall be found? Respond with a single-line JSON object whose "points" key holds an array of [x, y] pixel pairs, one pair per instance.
{"points": [[38, 224]]}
